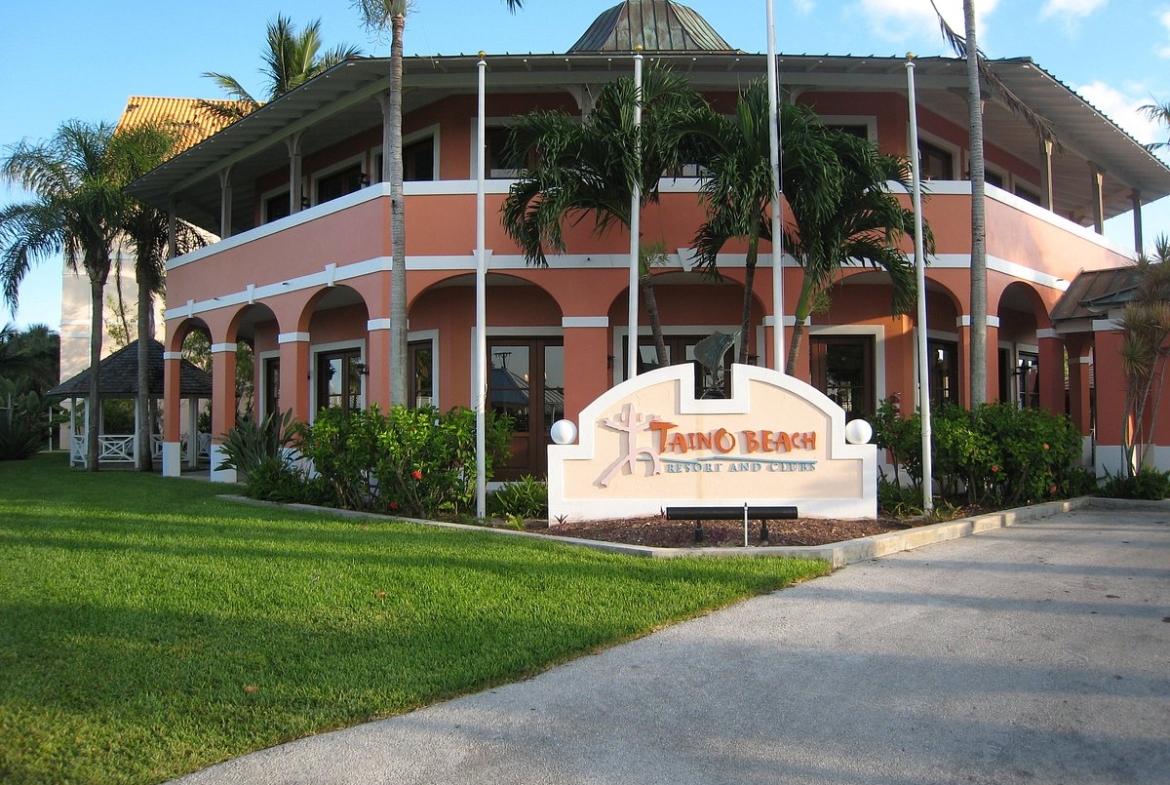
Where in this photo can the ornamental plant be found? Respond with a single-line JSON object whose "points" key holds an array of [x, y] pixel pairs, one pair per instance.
{"points": [[412, 462]]}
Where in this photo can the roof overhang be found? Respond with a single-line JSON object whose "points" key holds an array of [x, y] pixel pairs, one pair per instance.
{"points": [[344, 101]]}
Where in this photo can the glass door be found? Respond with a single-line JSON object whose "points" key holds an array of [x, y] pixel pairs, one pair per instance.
{"points": [[526, 382]]}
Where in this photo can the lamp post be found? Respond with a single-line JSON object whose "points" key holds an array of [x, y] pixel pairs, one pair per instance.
{"points": [[635, 218], [920, 273], [777, 190], [481, 302]]}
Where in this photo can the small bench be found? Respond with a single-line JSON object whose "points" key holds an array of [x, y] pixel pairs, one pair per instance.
{"points": [[745, 513]]}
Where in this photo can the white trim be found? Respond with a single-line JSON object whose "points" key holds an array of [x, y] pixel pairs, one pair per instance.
{"points": [[788, 321], [172, 355], [222, 348], [878, 333], [216, 456], [1086, 360], [172, 459], [293, 338], [965, 321], [1105, 326], [961, 261], [1046, 332], [584, 321], [373, 325]]}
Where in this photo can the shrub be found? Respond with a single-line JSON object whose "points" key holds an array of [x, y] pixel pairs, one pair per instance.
{"points": [[252, 445], [896, 500], [996, 454], [26, 421], [1146, 484], [524, 498], [415, 462]]}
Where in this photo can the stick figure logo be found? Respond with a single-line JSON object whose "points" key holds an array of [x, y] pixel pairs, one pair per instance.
{"points": [[631, 424]]}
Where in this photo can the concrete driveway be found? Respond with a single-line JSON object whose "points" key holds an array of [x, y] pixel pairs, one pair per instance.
{"points": [[1034, 654]]}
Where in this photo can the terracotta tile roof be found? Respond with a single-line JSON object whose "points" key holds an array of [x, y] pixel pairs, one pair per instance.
{"points": [[194, 123]]}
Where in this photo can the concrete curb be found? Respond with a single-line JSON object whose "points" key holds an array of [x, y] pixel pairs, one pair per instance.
{"points": [[837, 555]]}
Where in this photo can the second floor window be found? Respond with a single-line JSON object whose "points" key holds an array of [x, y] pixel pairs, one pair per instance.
{"points": [[339, 183], [936, 163]]}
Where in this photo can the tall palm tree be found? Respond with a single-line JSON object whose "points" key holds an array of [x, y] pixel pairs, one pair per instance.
{"points": [[737, 179], [33, 353], [77, 210], [590, 167], [290, 59], [146, 230], [378, 15], [863, 226]]}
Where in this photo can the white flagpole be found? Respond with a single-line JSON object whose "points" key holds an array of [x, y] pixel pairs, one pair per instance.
{"points": [[777, 225], [635, 219], [920, 272], [481, 303]]}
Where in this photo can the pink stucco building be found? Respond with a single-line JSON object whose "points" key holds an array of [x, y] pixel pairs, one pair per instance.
{"points": [[302, 272]]}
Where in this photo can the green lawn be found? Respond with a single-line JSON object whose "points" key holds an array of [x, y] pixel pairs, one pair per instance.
{"points": [[148, 629]]}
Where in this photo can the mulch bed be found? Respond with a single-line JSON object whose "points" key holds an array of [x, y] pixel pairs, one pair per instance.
{"points": [[658, 532]]}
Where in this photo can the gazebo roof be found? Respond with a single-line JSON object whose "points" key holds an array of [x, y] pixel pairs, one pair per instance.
{"points": [[119, 376], [655, 25]]}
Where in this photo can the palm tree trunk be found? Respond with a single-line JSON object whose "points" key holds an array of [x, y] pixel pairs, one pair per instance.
{"points": [[978, 217], [398, 369], [749, 277], [97, 288], [800, 317], [654, 319], [142, 410]]}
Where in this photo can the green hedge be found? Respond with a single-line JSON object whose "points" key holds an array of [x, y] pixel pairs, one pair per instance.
{"points": [[994, 454]]}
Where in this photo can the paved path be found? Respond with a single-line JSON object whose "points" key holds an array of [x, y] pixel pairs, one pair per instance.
{"points": [[1035, 654]]}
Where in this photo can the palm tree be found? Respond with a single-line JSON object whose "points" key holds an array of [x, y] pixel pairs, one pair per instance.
{"points": [[581, 168], [1160, 113], [863, 226], [147, 231], [377, 15], [737, 179], [1145, 349], [33, 353], [290, 59], [77, 210]]}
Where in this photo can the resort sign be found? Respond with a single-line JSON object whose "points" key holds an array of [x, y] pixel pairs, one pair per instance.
{"points": [[649, 443]]}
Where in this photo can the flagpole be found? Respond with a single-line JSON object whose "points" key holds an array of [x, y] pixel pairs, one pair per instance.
{"points": [[920, 273], [481, 302], [777, 189], [635, 218]]}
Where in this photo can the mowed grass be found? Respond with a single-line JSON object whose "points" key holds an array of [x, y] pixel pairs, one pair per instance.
{"points": [[148, 629]]}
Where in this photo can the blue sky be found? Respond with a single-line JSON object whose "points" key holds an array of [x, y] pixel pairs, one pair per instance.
{"points": [[72, 59]]}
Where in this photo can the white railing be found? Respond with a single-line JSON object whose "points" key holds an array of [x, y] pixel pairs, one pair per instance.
{"points": [[119, 448]]}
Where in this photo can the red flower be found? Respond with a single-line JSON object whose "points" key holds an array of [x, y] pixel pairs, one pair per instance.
{"points": [[995, 469], [394, 505], [416, 474]]}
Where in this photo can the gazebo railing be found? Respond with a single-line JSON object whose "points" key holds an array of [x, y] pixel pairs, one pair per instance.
{"points": [[119, 448]]}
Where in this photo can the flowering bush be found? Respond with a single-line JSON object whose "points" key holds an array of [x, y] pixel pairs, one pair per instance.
{"points": [[996, 454], [412, 462]]}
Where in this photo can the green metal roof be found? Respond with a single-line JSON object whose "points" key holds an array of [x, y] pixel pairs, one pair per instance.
{"points": [[655, 25]]}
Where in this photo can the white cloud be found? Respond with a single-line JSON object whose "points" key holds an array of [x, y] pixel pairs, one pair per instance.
{"points": [[1123, 108], [804, 7], [1070, 8], [899, 20]]}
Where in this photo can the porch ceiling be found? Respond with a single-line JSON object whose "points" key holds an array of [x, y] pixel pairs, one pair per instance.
{"points": [[344, 101]]}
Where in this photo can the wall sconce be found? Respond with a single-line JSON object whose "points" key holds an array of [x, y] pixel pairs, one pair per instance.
{"points": [[305, 203], [361, 368], [364, 179]]}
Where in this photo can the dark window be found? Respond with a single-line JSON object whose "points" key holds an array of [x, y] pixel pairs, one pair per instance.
{"points": [[842, 368], [1027, 195], [993, 178], [272, 386], [339, 379], [418, 160], [339, 183], [526, 382], [1028, 372], [936, 163], [497, 162], [943, 357], [422, 385], [276, 207], [681, 349]]}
